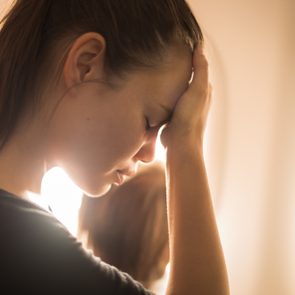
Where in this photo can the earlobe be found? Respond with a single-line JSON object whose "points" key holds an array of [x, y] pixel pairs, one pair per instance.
{"points": [[85, 59]]}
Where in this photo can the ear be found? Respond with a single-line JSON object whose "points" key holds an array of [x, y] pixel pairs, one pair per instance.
{"points": [[85, 59]]}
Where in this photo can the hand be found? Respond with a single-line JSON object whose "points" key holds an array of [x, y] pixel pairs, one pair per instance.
{"points": [[189, 117]]}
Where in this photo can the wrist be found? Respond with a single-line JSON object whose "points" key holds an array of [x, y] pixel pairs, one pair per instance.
{"points": [[184, 143]]}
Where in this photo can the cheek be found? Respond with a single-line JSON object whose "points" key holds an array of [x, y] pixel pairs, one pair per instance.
{"points": [[112, 137], [90, 141], [124, 137]]}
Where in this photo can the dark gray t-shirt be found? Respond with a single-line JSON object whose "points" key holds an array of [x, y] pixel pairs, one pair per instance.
{"points": [[39, 256]]}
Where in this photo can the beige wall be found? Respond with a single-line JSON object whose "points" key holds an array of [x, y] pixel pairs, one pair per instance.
{"points": [[251, 135], [4, 4]]}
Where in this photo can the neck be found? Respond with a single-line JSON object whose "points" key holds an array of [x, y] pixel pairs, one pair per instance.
{"points": [[22, 165]]}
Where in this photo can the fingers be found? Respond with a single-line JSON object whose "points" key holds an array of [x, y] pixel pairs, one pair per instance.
{"points": [[190, 113], [200, 82], [199, 58]]}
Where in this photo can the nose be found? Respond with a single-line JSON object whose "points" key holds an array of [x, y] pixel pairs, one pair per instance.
{"points": [[146, 153]]}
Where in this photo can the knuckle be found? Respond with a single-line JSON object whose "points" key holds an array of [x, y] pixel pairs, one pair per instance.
{"points": [[203, 61]]}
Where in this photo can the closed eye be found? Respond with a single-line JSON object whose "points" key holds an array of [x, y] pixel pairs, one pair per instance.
{"points": [[147, 124], [150, 129]]}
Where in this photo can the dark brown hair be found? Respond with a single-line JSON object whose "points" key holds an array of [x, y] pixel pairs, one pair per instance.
{"points": [[128, 227], [135, 32]]}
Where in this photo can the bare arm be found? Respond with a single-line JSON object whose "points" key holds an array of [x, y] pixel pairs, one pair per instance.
{"points": [[196, 257]]}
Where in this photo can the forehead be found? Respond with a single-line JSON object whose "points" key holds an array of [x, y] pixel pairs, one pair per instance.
{"points": [[167, 82]]}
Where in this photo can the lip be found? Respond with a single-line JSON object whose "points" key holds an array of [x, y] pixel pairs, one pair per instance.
{"points": [[119, 178], [128, 171]]}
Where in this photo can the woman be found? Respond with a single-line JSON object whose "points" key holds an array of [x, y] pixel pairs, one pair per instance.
{"points": [[128, 228], [86, 85]]}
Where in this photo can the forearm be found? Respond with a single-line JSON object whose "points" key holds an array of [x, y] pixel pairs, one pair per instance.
{"points": [[196, 256]]}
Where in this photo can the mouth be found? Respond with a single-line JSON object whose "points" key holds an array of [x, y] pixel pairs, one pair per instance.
{"points": [[120, 178], [122, 174]]}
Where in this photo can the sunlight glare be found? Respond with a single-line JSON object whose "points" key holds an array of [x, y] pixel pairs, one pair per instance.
{"points": [[160, 153], [63, 197]]}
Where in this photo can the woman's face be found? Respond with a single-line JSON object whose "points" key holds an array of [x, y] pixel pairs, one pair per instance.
{"points": [[99, 133]]}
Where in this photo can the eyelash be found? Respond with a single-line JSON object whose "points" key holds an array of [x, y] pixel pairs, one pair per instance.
{"points": [[147, 124]]}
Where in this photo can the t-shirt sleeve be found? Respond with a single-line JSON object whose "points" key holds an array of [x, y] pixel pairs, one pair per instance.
{"points": [[49, 257]]}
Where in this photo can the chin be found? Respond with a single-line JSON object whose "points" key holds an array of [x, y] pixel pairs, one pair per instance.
{"points": [[98, 191]]}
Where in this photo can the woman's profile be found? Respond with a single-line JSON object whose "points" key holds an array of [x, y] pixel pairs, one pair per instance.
{"points": [[86, 86]]}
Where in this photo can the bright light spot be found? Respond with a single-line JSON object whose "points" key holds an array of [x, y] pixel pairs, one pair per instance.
{"points": [[63, 197], [160, 154], [160, 286], [38, 200]]}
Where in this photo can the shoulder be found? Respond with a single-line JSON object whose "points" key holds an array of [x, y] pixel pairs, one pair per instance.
{"points": [[37, 251]]}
